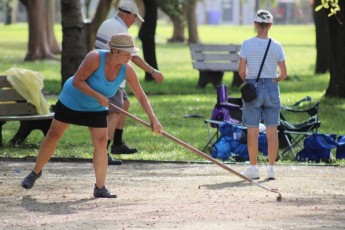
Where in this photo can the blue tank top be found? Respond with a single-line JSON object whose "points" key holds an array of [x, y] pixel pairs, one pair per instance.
{"points": [[76, 100]]}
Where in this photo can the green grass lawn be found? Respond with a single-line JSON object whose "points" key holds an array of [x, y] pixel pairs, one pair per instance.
{"points": [[178, 94]]}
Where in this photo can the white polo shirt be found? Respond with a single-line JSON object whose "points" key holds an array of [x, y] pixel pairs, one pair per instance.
{"points": [[108, 28]]}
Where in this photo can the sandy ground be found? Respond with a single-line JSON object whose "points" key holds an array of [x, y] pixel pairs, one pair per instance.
{"points": [[171, 196]]}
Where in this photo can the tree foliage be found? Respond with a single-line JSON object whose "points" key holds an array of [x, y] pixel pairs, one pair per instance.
{"points": [[331, 5], [337, 47]]}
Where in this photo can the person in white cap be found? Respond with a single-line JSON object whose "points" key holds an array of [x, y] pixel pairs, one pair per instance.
{"points": [[127, 14], [267, 104], [84, 101]]}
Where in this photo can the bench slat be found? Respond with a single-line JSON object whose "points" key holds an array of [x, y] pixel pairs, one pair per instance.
{"points": [[212, 60], [233, 57], [10, 95], [27, 118], [4, 82], [215, 66], [19, 108], [214, 48]]}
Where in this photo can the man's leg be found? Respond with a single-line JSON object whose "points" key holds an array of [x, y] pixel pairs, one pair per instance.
{"points": [[113, 120], [119, 147]]}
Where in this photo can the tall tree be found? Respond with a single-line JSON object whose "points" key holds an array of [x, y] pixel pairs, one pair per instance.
{"points": [[337, 46], [50, 18], [175, 11], [322, 39], [8, 11], [337, 58], [193, 35], [91, 26], [38, 43], [73, 40], [38, 46]]}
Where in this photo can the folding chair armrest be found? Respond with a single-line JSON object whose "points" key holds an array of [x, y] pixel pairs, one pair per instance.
{"points": [[213, 122]]}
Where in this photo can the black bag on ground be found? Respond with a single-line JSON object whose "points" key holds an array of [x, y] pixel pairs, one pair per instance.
{"points": [[248, 92]]}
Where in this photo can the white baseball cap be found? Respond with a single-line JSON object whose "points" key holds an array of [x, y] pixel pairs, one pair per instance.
{"points": [[263, 16], [129, 7]]}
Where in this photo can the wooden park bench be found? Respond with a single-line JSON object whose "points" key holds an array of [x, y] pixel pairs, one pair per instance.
{"points": [[13, 107], [213, 60]]}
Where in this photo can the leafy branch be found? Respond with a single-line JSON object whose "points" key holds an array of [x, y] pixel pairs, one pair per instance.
{"points": [[332, 6]]}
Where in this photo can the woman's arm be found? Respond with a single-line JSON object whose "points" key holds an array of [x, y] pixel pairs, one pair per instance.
{"points": [[242, 68], [282, 71], [90, 63], [133, 82]]}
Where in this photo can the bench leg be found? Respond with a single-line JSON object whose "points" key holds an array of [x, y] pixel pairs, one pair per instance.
{"points": [[26, 127], [213, 77], [1, 124]]}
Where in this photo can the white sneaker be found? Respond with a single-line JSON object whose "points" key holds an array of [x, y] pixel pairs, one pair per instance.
{"points": [[270, 173], [252, 173]]}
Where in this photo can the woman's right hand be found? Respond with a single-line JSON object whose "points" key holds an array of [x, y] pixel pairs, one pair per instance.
{"points": [[102, 100]]}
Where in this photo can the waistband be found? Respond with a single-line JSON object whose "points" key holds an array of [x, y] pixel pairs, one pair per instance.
{"points": [[263, 79]]}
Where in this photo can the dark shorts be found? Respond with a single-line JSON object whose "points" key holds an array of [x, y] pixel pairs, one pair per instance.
{"points": [[118, 100], [89, 119]]}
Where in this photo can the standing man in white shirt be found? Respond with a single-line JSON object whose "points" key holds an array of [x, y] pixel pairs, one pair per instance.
{"points": [[126, 16]]}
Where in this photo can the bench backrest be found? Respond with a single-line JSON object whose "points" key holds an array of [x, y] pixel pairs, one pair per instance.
{"points": [[11, 103], [214, 57]]}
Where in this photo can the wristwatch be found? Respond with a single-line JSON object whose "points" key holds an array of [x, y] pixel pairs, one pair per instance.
{"points": [[153, 70]]}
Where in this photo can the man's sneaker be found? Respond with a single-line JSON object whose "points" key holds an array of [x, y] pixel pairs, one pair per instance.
{"points": [[102, 193], [30, 179], [270, 173], [122, 149], [252, 173], [112, 161]]}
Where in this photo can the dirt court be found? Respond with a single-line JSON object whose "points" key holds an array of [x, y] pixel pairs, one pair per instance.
{"points": [[171, 196]]}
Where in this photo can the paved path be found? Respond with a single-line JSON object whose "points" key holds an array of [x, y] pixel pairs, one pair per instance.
{"points": [[171, 196]]}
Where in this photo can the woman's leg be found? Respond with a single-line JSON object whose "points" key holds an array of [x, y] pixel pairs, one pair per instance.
{"points": [[100, 158], [272, 139], [49, 143], [252, 139]]}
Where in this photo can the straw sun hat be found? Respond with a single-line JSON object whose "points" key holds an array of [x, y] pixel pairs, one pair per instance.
{"points": [[124, 42]]}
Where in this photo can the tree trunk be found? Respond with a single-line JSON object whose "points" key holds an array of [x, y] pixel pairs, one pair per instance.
{"points": [[8, 11], [175, 12], [91, 28], [337, 61], [178, 30], [38, 47], [147, 35], [322, 39], [73, 40], [14, 13], [193, 36], [50, 17]]}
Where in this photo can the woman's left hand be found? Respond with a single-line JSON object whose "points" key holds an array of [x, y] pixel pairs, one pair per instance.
{"points": [[158, 76]]}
